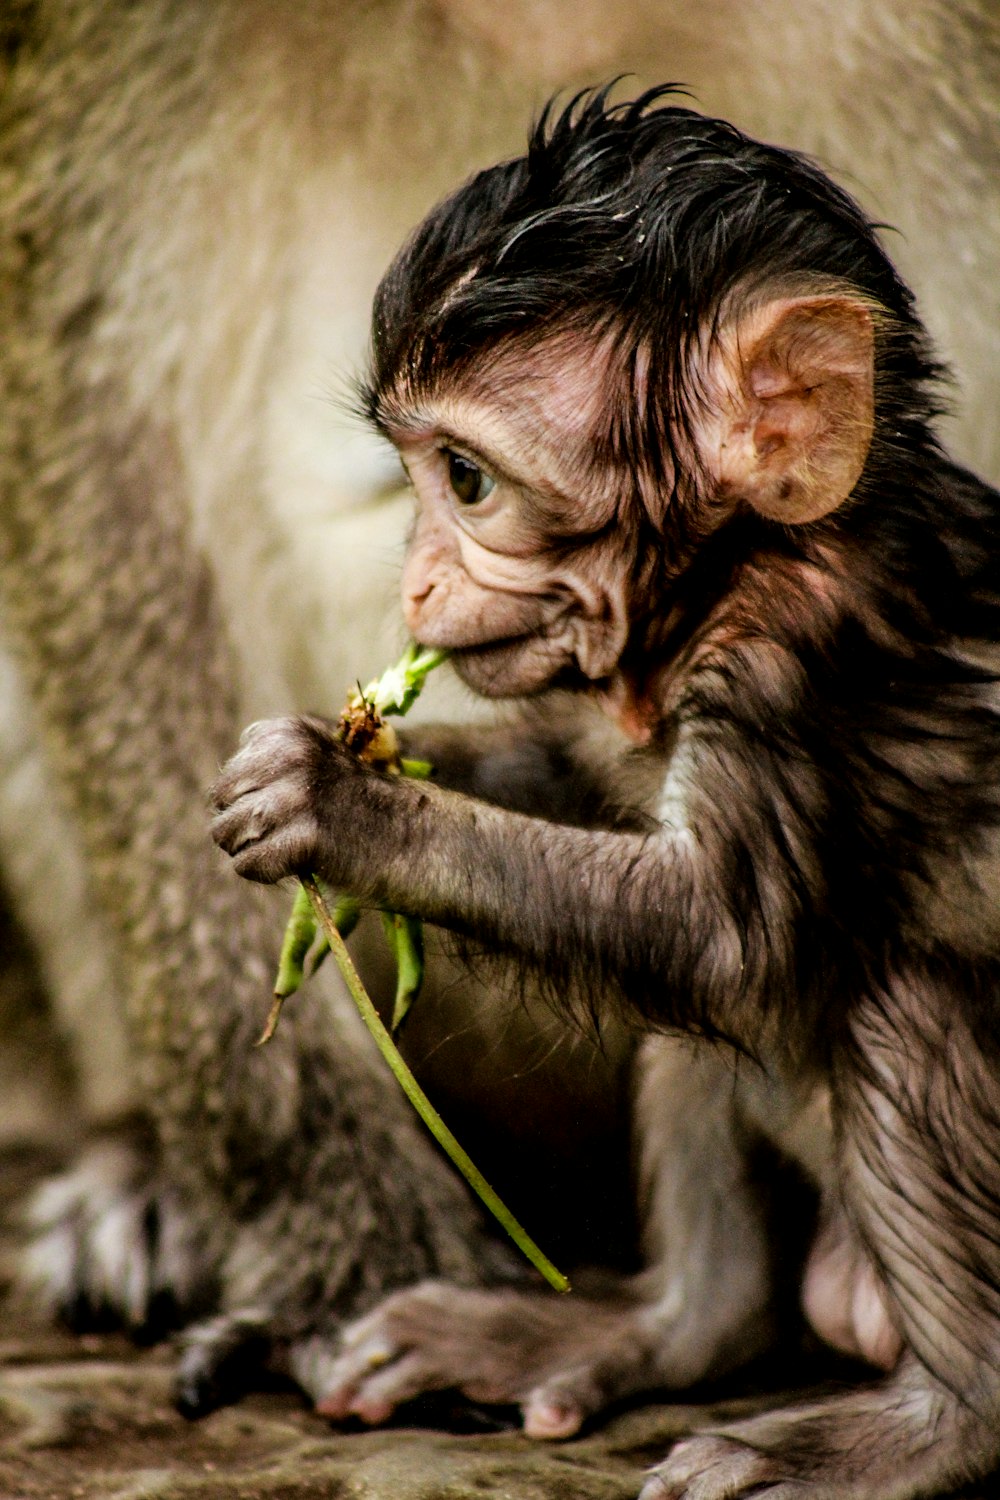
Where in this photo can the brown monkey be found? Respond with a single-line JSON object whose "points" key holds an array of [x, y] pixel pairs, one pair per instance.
{"points": [[196, 200], [668, 413]]}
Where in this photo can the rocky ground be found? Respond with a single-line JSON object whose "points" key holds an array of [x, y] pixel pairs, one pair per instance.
{"points": [[92, 1418], [82, 1418]]}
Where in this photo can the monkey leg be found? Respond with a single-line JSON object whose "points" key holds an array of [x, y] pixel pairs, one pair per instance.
{"points": [[288, 1187], [123, 1238], [700, 1308], [916, 1100], [905, 1438]]}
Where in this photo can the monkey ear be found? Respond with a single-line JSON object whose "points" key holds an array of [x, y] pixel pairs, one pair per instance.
{"points": [[792, 383]]}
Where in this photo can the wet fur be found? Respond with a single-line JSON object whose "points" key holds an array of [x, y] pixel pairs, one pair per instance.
{"points": [[828, 746], [195, 205]]}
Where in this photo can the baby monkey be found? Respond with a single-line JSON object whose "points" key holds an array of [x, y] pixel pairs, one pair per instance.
{"points": [[668, 410]]}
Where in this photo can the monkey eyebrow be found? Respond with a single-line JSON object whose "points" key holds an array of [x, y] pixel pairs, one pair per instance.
{"points": [[402, 426], [404, 423], [420, 427], [480, 456]]}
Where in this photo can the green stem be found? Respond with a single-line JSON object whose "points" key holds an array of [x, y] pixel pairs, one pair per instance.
{"points": [[419, 1099]]}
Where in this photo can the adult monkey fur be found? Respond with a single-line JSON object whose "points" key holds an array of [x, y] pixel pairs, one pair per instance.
{"points": [[197, 202], [668, 414]]}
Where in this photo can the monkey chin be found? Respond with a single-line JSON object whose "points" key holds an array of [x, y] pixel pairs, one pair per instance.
{"points": [[516, 667]]}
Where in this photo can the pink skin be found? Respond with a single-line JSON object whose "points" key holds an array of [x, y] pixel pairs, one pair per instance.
{"points": [[512, 584], [845, 1301], [491, 580]]}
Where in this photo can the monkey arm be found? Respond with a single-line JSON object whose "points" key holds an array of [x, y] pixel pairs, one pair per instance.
{"points": [[544, 766], [637, 914]]}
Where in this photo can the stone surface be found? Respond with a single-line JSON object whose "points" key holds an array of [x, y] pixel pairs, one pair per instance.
{"points": [[82, 1418], [92, 1418]]}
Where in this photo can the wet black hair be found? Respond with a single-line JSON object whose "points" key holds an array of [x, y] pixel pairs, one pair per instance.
{"points": [[637, 220]]}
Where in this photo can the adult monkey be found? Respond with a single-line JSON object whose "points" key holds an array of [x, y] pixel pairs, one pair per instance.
{"points": [[197, 201]]}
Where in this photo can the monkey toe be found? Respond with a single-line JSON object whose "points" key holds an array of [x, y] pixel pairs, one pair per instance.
{"points": [[378, 1396], [707, 1467], [372, 1384], [109, 1244], [550, 1417], [559, 1404], [334, 1378]]}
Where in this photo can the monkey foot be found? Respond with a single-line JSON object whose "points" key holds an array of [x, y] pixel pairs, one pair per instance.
{"points": [[109, 1244], [714, 1468], [902, 1437], [220, 1360], [561, 1360]]}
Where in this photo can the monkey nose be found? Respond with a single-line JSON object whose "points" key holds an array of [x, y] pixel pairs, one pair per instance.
{"points": [[418, 586], [415, 603], [419, 591]]}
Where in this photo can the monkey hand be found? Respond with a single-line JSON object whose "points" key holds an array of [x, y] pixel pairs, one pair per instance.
{"points": [[283, 800]]}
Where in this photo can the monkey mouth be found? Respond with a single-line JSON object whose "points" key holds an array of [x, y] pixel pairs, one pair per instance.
{"points": [[510, 667]]}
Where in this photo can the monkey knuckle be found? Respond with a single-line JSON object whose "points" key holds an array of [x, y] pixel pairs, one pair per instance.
{"points": [[250, 733], [569, 1390], [423, 1312], [432, 1295], [266, 747], [319, 730]]}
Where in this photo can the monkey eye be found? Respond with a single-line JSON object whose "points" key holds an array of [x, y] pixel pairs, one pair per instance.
{"points": [[468, 482]]}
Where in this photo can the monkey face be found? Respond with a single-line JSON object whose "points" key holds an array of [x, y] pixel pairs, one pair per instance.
{"points": [[524, 557], [518, 560]]}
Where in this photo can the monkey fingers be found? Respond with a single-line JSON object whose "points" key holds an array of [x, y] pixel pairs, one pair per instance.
{"points": [[265, 800]]}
